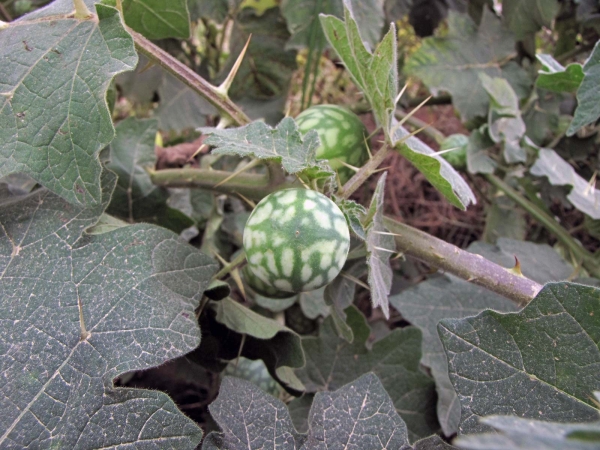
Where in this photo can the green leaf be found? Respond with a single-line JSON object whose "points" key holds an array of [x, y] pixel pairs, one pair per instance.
{"points": [[179, 107], [137, 288], [250, 418], [540, 363], [313, 303], [515, 433], [435, 168], [358, 415], [283, 143], [380, 246], [376, 73], [453, 63], [354, 212], [332, 362], [278, 346], [478, 149], [136, 198], [526, 17], [557, 78], [157, 19], [424, 305], [302, 19], [588, 98], [54, 119], [583, 196], [505, 124]]}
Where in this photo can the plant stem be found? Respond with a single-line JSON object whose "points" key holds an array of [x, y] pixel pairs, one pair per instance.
{"points": [[183, 73], [466, 265], [581, 254], [251, 185], [365, 172]]}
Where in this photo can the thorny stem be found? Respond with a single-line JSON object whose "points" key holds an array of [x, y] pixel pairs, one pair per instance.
{"points": [[250, 185], [466, 265], [365, 172], [191, 79], [581, 254]]}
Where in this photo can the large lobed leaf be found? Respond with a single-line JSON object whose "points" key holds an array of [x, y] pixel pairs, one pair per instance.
{"points": [[453, 63], [53, 80], [541, 363], [136, 288], [557, 78], [332, 362], [157, 19], [358, 415], [425, 304]]}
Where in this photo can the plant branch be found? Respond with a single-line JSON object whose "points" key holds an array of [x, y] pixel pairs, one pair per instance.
{"points": [[183, 73], [364, 172], [251, 185], [466, 265], [581, 254]]}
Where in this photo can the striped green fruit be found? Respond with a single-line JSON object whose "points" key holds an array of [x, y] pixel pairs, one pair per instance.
{"points": [[262, 288], [296, 240], [342, 136]]}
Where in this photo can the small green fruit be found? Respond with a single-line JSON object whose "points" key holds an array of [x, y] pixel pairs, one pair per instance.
{"points": [[342, 136], [296, 240]]}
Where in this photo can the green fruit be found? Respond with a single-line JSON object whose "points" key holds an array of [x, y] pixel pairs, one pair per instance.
{"points": [[296, 240], [342, 136], [261, 288]]}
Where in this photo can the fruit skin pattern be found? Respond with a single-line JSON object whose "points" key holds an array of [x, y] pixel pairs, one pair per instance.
{"points": [[342, 136], [261, 288], [296, 240]]}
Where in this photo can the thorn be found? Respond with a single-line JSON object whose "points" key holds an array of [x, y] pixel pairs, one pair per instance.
{"points": [[81, 10], [441, 152], [3, 25], [410, 114], [247, 200], [384, 249], [85, 334], [591, 186], [355, 280], [369, 152], [248, 166], [120, 7], [351, 167], [471, 279], [516, 270], [225, 85], [221, 259], [148, 65], [398, 256], [303, 183], [381, 169], [400, 94], [405, 138], [387, 233], [235, 274]]}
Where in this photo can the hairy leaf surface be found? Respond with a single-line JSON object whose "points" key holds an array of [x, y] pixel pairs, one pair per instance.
{"points": [[136, 289], [540, 363], [53, 80]]}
